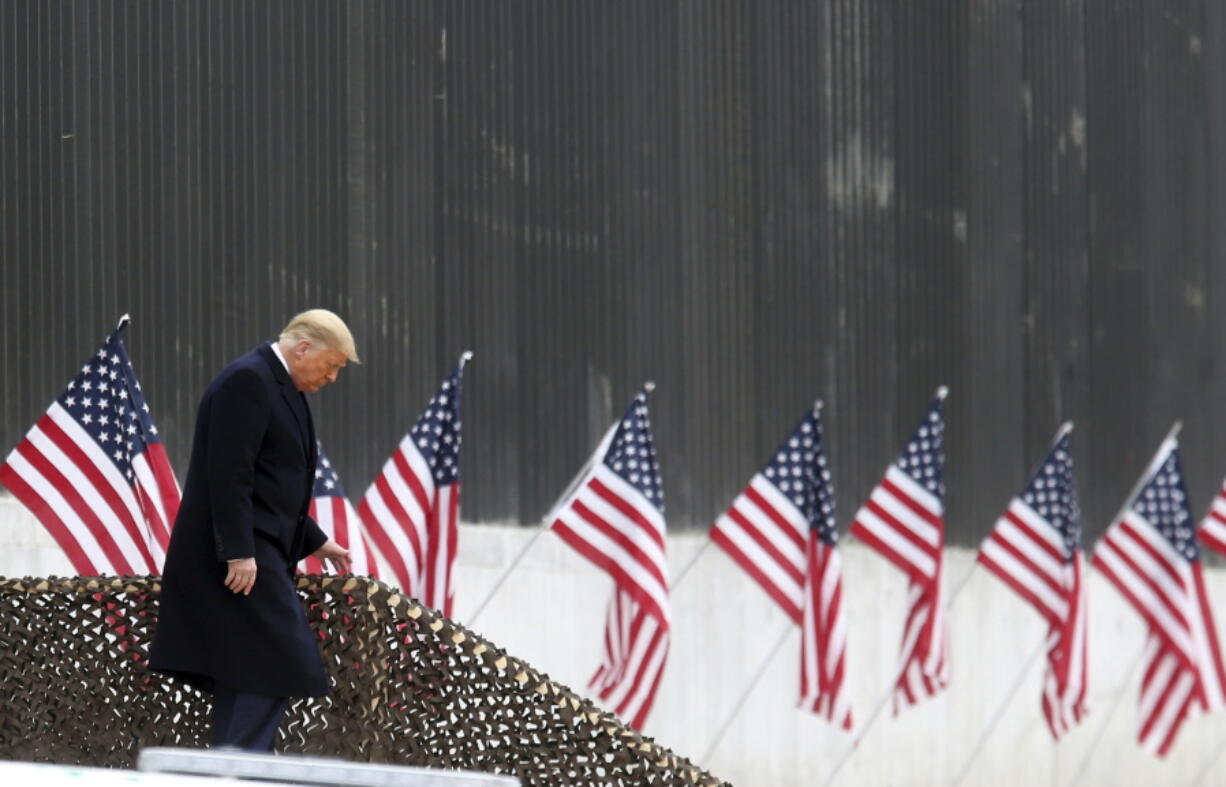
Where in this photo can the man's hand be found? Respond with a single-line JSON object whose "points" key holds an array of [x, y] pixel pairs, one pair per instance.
{"points": [[337, 554], [240, 575]]}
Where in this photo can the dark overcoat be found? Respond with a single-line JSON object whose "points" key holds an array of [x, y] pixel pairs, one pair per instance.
{"points": [[247, 493]]}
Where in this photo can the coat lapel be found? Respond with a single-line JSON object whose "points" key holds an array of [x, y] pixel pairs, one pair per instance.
{"points": [[294, 400], [312, 442]]}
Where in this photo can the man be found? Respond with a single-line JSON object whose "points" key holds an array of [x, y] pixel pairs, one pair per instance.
{"points": [[230, 620]]}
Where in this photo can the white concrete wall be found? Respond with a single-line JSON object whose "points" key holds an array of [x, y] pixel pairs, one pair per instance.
{"points": [[550, 612]]}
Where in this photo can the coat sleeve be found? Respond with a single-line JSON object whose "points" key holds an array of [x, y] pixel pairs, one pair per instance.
{"points": [[314, 538], [238, 419]]}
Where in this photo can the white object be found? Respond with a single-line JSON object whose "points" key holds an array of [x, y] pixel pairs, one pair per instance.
{"points": [[43, 775], [308, 770]]}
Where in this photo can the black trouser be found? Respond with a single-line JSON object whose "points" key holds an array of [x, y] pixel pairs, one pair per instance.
{"points": [[244, 720]]}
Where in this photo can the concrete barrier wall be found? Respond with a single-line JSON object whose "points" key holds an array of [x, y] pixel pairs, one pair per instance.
{"points": [[550, 612]]}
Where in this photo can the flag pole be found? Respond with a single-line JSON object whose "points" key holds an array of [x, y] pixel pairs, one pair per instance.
{"points": [[1136, 489], [941, 393], [889, 692], [472, 619], [550, 515], [1102, 728], [690, 564], [1064, 429], [540, 530], [740, 703], [817, 406], [1150, 469], [1209, 763], [1000, 714]]}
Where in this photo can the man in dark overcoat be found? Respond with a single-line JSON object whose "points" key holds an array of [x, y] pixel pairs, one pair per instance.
{"points": [[230, 619]]}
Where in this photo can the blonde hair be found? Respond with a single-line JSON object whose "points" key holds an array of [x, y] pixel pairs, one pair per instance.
{"points": [[322, 328]]}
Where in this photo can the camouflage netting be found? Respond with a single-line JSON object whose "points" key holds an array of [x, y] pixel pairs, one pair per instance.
{"points": [[409, 687]]}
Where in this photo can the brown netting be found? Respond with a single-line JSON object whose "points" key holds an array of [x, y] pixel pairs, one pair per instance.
{"points": [[409, 687]]}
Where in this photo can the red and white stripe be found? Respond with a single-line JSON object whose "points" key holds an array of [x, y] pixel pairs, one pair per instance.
{"points": [[104, 524], [414, 526], [903, 522], [1172, 689], [157, 492], [610, 523], [613, 525], [923, 656], [1184, 670], [1066, 685], [823, 642], [1028, 554], [1213, 527], [765, 534], [635, 652], [336, 517], [1168, 696], [1166, 590]]}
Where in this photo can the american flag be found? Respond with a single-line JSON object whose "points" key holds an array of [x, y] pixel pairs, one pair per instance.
{"points": [[334, 514], [903, 520], [635, 650], [765, 529], [1150, 554], [615, 518], [1035, 549], [823, 640], [412, 509], [94, 471], [1213, 526], [781, 530]]}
